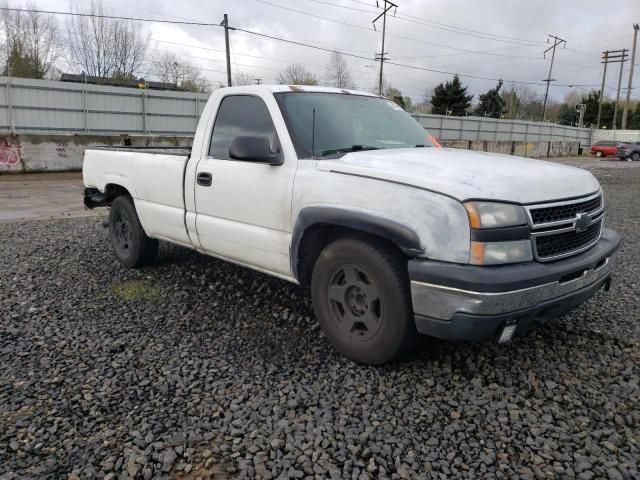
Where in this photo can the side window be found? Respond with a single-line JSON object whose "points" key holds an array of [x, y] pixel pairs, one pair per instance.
{"points": [[240, 115]]}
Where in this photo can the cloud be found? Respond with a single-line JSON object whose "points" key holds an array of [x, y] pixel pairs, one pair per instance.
{"points": [[446, 36]]}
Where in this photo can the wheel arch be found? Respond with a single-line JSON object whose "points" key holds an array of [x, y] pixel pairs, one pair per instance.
{"points": [[316, 226], [93, 197]]}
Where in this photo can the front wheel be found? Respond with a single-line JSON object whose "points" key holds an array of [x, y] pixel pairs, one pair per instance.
{"points": [[130, 243], [361, 296], [598, 154]]}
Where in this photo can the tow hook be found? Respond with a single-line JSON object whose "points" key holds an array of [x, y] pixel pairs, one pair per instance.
{"points": [[607, 284]]}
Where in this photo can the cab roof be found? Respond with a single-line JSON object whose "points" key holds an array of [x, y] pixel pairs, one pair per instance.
{"points": [[299, 88]]}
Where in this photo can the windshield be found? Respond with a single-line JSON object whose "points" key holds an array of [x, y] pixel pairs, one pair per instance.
{"points": [[346, 123]]}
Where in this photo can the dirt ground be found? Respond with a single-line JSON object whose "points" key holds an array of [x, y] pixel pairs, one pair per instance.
{"points": [[41, 196]]}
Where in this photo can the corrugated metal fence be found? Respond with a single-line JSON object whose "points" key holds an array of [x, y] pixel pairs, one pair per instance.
{"points": [[617, 135], [43, 106], [480, 128]]}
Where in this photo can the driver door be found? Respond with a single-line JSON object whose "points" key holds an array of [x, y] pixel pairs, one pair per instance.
{"points": [[244, 213]]}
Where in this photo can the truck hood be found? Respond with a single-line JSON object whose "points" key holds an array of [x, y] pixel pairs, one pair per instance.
{"points": [[465, 175]]}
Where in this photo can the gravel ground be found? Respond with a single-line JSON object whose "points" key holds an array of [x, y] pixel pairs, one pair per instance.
{"points": [[196, 368]]}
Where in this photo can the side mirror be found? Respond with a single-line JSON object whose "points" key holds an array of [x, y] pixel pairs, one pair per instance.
{"points": [[253, 149]]}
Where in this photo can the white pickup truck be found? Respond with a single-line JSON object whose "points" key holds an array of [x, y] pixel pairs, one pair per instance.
{"points": [[344, 192]]}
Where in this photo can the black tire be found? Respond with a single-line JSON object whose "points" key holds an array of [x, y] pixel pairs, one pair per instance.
{"points": [[130, 244], [361, 296], [598, 154], [635, 157]]}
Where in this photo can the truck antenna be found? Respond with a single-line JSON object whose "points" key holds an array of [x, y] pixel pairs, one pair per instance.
{"points": [[313, 135]]}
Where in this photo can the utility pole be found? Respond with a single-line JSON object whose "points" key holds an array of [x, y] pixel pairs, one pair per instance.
{"points": [[623, 58], [556, 42], [225, 22], [605, 60], [632, 65], [382, 55]]}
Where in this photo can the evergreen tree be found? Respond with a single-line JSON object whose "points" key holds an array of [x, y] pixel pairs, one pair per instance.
{"points": [[591, 113], [491, 103], [566, 115], [592, 101], [401, 100], [607, 115], [634, 120], [450, 97], [19, 64]]}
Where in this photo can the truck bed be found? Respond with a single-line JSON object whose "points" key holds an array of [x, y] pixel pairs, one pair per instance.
{"points": [[154, 179]]}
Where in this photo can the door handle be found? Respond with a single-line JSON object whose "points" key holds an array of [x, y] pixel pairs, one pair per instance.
{"points": [[204, 179]]}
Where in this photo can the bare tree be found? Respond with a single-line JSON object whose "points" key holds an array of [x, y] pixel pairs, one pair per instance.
{"points": [[170, 68], [522, 102], [243, 79], [424, 104], [337, 74], [31, 44], [296, 74], [105, 47], [572, 98]]}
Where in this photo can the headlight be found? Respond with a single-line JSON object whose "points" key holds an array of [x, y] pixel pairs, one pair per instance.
{"points": [[494, 215], [497, 250], [496, 253]]}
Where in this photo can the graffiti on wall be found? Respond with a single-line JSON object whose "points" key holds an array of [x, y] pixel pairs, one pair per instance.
{"points": [[9, 153], [61, 148]]}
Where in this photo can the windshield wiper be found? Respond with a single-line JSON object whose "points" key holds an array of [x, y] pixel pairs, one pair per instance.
{"points": [[353, 148]]}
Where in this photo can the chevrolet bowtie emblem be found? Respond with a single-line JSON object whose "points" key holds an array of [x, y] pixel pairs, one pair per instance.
{"points": [[583, 222]]}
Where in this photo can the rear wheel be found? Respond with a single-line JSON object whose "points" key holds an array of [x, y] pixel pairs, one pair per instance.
{"points": [[130, 243], [635, 157], [360, 292]]}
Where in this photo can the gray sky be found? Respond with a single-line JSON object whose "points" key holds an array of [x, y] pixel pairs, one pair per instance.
{"points": [[440, 35]]}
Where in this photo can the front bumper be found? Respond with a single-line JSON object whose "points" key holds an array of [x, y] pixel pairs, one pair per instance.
{"points": [[463, 302]]}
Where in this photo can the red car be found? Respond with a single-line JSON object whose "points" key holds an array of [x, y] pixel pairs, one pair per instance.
{"points": [[604, 148]]}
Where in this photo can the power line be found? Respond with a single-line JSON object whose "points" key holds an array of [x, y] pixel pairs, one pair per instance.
{"points": [[273, 37], [439, 45], [416, 67], [532, 42], [431, 24], [114, 17], [395, 79]]}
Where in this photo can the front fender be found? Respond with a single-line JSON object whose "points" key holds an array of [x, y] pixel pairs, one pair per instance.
{"points": [[402, 235]]}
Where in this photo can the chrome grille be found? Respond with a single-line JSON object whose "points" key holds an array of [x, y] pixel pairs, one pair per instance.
{"points": [[565, 211], [562, 229], [561, 243]]}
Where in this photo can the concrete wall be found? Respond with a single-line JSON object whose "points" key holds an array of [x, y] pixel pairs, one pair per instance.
{"points": [[521, 149], [55, 153]]}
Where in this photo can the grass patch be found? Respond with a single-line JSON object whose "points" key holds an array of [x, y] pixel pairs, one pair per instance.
{"points": [[135, 289]]}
